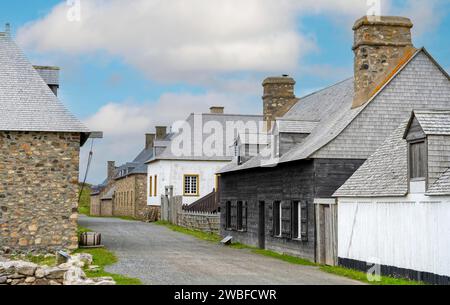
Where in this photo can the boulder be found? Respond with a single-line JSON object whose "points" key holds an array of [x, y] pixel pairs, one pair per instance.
{"points": [[3, 280], [40, 273], [55, 273]]}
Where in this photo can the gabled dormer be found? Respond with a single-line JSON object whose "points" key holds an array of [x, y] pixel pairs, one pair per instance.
{"points": [[428, 138], [288, 133], [248, 145]]}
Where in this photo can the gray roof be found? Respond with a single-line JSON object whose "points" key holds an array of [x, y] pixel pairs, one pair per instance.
{"points": [[49, 74], [434, 122], [346, 133], [384, 173], [329, 109], [198, 137], [441, 186], [109, 195], [137, 166], [26, 102], [295, 126]]}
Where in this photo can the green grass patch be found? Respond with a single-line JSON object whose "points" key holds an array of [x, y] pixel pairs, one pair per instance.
{"points": [[198, 234], [362, 276], [284, 257], [85, 201], [102, 258], [38, 259]]}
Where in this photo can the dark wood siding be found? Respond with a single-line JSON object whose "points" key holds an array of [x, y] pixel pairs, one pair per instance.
{"points": [[300, 181]]}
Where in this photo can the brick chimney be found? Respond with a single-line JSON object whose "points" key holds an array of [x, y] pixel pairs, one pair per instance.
{"points": [[149, 140], [161, 132], [217, 110], [381, 45], [111, 169], [278, 97]]}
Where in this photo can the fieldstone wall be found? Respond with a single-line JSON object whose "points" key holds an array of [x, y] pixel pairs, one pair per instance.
{"points": [[130, 199], [39, 190], [381, 44], [95, 209], [205, 222], [106, 208]]}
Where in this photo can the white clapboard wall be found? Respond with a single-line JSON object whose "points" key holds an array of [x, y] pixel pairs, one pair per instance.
{"points": [[411, 233]]}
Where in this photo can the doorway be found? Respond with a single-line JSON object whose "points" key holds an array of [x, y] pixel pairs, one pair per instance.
{"points": [[262, 226]]}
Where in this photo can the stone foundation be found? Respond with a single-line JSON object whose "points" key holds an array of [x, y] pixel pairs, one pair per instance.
{"points": [[39, 190], [205, 222]]}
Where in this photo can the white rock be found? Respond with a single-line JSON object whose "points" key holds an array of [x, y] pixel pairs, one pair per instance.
{"points": [[105, 283], [40, 273]]}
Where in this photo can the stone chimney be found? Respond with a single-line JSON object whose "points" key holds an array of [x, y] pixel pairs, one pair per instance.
{"points": [[381, 45], [111, 169], [217, 110], [149, 140], [278, 97], [161, 132]]}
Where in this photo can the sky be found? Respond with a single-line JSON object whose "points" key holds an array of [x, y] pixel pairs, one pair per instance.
{"points": [[129, 65]]}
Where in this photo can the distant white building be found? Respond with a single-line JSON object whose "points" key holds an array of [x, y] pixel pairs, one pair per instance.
{"points": [[188, 159], [395, 210]]}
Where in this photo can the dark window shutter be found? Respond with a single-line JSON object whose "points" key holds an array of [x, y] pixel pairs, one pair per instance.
{"points": [[228, 215], [304, 229], [245, 216], [276, 218], [294, 219], [270, 219], [233, 216], [286, 220], [239, 216]]}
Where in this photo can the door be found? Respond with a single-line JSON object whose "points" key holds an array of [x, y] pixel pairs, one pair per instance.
{"points": [[326, 229], [329, 242], [262, 226]]}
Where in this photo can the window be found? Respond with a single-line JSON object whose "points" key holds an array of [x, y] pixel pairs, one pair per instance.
{"points": [[191, 185], [296, 220], [150, 185], [155, 192], [228, 215], [277, 218], [417, 160], [239, 214]]}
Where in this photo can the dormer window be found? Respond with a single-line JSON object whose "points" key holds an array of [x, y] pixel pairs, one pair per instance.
{"points": [[417, 160]]}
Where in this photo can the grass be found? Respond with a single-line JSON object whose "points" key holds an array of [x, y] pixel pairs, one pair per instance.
{"points": [[85, 201], [102, 258], [340, 271], [362, 276]]}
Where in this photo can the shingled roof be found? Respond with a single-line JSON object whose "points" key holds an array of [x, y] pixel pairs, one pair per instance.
{"points": [[26, 102], [385, 173], [343, 132], [198, 136]]}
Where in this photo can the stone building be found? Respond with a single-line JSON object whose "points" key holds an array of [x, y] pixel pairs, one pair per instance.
{"points": [[124, 192], [39, 157]]}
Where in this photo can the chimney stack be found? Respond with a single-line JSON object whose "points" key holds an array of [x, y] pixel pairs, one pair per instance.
{"points": [[381, 44], [217, 110], [161, 132], [149, 140], [278, 97], [8, 29], [111, 169]]}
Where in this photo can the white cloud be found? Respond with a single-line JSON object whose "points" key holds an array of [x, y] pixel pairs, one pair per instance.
{"points": [[186, 40], [124, 124]]}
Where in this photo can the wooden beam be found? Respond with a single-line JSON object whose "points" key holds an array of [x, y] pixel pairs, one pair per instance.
{"points": [[96, 135]]}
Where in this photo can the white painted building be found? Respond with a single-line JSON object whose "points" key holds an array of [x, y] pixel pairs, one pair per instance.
{"points": [[395, 210], [189, 159]]}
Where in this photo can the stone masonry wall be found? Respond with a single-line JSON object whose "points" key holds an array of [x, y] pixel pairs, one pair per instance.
{"points": [[124, 197], [39, 190], [205, 222], [130, 199]]}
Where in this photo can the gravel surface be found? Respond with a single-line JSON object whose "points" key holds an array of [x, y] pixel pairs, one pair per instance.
{"points": [[159, 256]]}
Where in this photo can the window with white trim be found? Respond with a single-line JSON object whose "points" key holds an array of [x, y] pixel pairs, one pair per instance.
{"points": [[191, 185]]}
